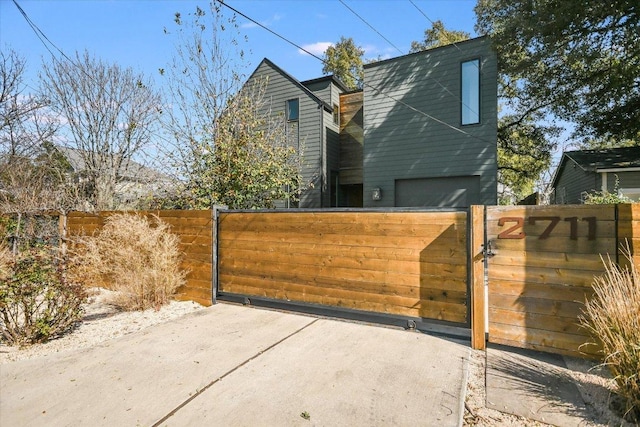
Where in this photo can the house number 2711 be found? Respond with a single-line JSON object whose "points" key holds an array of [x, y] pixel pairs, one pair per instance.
{"points": [[516, 230]]}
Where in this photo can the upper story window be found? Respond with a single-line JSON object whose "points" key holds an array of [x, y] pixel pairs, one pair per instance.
{"points": [[471, 92], [293, 110], [336, 114]]}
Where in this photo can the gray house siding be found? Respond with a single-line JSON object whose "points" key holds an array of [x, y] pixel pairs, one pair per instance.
{"points": [[572, 182], [310, 137], [403, 144]]}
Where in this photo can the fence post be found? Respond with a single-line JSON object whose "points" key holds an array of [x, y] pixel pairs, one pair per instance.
{"points": [[628, 232], [476, 269], [62, 232]]}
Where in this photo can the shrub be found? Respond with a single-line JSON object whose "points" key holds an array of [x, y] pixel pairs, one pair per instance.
{"points": [[135, 257], [613, 317], [37, 302]]}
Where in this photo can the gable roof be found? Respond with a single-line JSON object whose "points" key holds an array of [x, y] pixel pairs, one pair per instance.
{"points": [[600, 160], [294, 81], [331, 78]]}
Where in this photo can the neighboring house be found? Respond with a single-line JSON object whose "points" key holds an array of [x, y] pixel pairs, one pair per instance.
{"points": [[135, 181], [422, 133], [613, 170]]}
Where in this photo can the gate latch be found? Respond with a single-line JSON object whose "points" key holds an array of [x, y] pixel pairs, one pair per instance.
{"points": [[487, 251]]}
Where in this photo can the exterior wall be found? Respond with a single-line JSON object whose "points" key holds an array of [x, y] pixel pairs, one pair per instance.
{"points": [[572, 182], [310, 138], [402, 143]]}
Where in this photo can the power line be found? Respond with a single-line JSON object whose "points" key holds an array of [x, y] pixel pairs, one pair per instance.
{"points": [[371, 26], [399, 101]]}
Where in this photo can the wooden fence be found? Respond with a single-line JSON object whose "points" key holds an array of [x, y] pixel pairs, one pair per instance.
{"points": [[542, 268], [540, 265], [195, 231], [409, 264]]}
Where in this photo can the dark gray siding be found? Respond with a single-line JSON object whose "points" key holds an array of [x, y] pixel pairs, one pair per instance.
{"points": [[280, 89], [572, 182], [322, 89], [400, 142]]}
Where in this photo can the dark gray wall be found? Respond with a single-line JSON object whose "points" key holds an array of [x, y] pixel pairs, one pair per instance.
{"points": [[280, 88], [572, 181], [401, 143]]}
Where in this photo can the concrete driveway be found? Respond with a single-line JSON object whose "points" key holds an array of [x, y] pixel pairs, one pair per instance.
{"points": [[241, 366]]}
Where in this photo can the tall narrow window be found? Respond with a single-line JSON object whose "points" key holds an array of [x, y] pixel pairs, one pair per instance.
{"points": [[293, 110], [336, 114], [471, 92]]}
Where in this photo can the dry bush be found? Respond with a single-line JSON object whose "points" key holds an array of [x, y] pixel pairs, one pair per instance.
{"points": [[137, 258], [613, 318]]}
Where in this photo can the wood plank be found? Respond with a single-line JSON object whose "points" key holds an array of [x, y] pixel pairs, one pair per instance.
{"points": [[536, 305], [452, 255], [342, 240], [575, 277], [549, 323], [561, 229], [554, 292], [591, 352], [238, 220], [564, 260], [303, 272], [602, 212], [327, 286], [554, 245], [478, 340], [575, 344], [433, 310], [415, 266]]}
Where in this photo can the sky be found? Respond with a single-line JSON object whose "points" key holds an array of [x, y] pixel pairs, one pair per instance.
{"points": [[131, 32]]}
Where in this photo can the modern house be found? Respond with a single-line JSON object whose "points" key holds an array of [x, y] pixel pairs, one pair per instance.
{"points": [[421, 133], [580, 172], [312, 110]]}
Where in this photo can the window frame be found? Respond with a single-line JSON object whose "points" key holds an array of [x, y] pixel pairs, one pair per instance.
{"points": [[465, 108], [288, 110]]}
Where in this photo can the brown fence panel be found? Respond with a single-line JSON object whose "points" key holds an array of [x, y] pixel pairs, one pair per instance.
{"points": [[545, 258], [410, 264], [195, 230], [629, 231]]}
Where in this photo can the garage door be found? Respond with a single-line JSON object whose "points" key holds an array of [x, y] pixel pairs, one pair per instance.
{"points": [[450, 192]]}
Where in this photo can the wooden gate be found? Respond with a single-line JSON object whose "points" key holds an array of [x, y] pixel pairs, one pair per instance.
{"points": [[407, 264], [541, 264]]}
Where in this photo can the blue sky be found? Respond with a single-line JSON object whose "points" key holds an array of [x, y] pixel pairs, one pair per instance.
{"points": [[130, 32]]}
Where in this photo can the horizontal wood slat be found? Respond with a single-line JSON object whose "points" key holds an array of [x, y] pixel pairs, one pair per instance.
{"points": [[411, 264], [542, 272], [193, 228]]}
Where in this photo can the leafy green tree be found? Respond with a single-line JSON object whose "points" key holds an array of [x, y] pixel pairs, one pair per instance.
{"points": [[580, 60], [229, 147], [437, 36], [344, 60]]}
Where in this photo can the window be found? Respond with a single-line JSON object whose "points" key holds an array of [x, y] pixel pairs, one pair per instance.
{"points": [[471, 92], [336, 114], [632, 193], [293, 110]]}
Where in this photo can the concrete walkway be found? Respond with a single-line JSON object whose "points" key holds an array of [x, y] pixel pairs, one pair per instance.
{"points": [[534, 385], [236, 366]]}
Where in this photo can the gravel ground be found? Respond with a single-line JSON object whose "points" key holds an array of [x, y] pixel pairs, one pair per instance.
{"points": [[103, 321]]}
